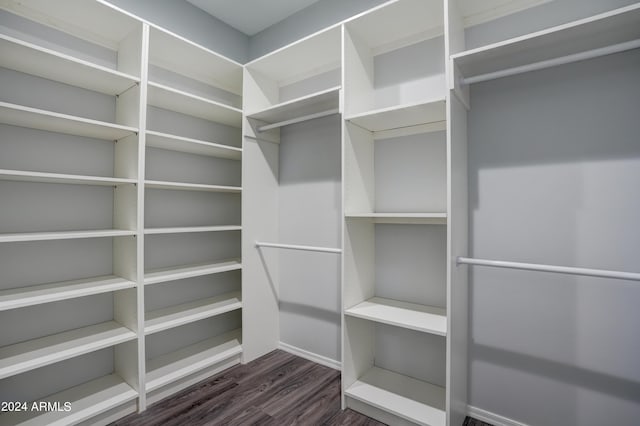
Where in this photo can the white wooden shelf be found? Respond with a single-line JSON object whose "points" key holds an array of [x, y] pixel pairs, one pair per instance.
{"points": [[182, 272], [63, 235], [43, 177], [427, 319], [314, 103], [401, 116], [191, 359], [179, 55], [25, 356], [31, 59], [23, 116], [189, 229], [156, 184], [87, 400], [174, 316], [191, 146], [606, 29], [46, 293], [402, 218], [408, 398], [165, 97]]}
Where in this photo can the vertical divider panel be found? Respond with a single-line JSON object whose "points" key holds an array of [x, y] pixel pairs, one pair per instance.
{"points": [[358, 74], [457, 228], [359, 177]]}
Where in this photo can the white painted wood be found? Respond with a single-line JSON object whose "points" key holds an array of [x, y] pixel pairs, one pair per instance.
{"points": [[411, 399], [438, 126], [313, 54], [175, 53], [359, 173], [174, 316], [299, 247], [191, 146], [125, 309], [617, 26], [63, 235], [492, 418], [156, 184], [313, 357], [128, 107], [382, 416], [32, 59], [87, 401], [186, 361], [427, 319], [188, 229], [46, 293], [182, 272], [125, 164], [130, 52], [25, 356], [474, 13], [400, 218], [358, 75], [296, 120], [23, 116], [165, 97], [125, 357], [29, 176], [307, 105], [401, 116]]}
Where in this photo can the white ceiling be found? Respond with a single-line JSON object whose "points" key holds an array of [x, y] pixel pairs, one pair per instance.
{"points": [[251, 16]]}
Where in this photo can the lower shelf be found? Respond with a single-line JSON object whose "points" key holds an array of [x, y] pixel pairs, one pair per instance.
{"points": [[191, 359], [181, 272], [87, 400], [174, 316], [405, 397], [25, 356]]}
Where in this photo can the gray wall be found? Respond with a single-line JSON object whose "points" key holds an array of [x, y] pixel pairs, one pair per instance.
{"points": [[192, 23], [554, 172], [305, 22], [310, 209]]}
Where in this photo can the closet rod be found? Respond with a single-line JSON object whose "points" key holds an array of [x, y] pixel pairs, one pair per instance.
{"points": [[298, 119], [296, 247], [602, 273], [581, 56]]}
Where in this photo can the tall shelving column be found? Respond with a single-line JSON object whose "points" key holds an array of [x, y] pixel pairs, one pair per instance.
{"points": [[397, 344], [192, 185], [69, 122]]}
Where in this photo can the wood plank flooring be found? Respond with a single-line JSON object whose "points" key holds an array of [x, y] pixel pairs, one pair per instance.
{"points": [[278, 389]]}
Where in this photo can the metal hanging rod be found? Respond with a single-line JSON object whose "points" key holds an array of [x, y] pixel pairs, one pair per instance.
{"points": [[581, 56], [296, 247], [298, 119], [602, 273]]}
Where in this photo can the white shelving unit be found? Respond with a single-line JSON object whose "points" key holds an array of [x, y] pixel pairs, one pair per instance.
{"points": [[177, 273]]}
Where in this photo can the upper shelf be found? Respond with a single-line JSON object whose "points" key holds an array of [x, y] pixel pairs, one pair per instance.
{"points": [[191, 229], [156, 184], [402, 218], [319, 102], [606, 29], [191, 146], [184, 57], [31, 59], [43, 177], [401, 116], [189, 271], [165, 97], [23, 116]]}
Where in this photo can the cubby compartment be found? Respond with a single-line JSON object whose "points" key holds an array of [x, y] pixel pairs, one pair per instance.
{"points": [[398, 179], [298, 81], [394, 66]]}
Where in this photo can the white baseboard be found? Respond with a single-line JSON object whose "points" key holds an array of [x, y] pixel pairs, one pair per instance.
{"points": [[492, 418], [322, 360]]}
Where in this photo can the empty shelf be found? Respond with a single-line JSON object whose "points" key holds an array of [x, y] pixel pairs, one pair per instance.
{"points": [[428, 319], [27, 176], [156, 184], [63, 235], [31, 59], [189, 229], [400, 116], [174, 316], [45, 293], [606, 29], [165, 97], [191, 146], [411, 399], [21, 357], [191, 359], [402, 218], [308, 105], [23, 116], [190, 271], [87, 400]]}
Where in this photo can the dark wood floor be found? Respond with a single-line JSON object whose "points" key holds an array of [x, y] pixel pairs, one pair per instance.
{"points": [[276, 389]]}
